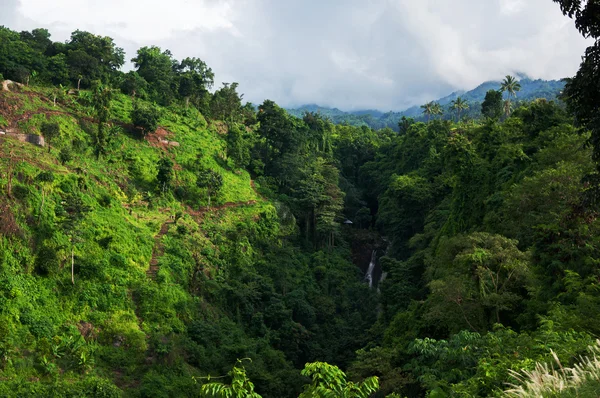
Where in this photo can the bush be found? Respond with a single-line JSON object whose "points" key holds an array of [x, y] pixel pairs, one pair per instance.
{"points": [[46, 262], [145, 117], [20, 192], [65, 155], [122, 329]]}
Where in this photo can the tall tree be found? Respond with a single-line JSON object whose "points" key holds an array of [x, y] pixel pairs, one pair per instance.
{"points": [[226, 103], [165, 173], [507, 107], [101, 101], [511, 86], [459, 105], [72, 213], [44, 178], [428, 109], [145, 117], [582, 92], [238, 145], [135, 85], [437, 109], [156, 67], [194, 78], [404, 124], [211, 181], [50, 131], [92, 57], [492, 107]]}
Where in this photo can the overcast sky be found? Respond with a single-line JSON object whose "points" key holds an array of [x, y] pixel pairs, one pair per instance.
{"points": [[351, 54]]}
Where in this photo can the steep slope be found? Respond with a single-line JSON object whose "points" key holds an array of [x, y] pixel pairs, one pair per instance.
{"points": [[165, 288]]}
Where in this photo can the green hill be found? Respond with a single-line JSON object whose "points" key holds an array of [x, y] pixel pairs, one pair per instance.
{"points": [[162, 284]]}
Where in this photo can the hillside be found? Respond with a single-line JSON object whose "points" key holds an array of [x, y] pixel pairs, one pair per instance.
{"points": [[530, 90], [162, 284]]}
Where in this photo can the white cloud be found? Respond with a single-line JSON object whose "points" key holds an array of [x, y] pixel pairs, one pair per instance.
{"points": [[385, 54], [140, 21]]}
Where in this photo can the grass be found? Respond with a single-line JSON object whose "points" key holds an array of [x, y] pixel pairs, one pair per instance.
{"points": [[582, 380], [134, 316]]}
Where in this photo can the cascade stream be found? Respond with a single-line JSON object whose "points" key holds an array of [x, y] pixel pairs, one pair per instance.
{"points": [[369, 273]]}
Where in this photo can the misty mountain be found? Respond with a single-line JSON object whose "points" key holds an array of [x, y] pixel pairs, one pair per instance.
{"points": [[530, 90]]}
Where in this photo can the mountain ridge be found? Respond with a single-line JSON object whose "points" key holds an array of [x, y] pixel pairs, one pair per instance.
{"points": [[377, 119]]}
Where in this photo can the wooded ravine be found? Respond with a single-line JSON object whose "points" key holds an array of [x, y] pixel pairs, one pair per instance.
{"points": [[160, 238]]}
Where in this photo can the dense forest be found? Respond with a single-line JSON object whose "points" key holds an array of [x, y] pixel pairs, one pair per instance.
{"points": [[160, 238]]}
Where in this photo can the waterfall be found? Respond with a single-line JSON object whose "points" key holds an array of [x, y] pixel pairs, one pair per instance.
{"points": [[369, 274]]}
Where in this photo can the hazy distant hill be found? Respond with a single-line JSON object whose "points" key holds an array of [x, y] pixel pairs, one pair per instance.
{"points": [[530, 89]]}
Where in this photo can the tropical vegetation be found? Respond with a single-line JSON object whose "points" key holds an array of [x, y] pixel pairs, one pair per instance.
{"points": [[165, 239]]}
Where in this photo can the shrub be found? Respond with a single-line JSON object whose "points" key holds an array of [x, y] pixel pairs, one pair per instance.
{"points": [[20, 192], [65, 155], [122, 329], [145, 117]]}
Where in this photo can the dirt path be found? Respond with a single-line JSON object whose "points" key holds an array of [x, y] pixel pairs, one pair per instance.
{"points": [[158, 250]]}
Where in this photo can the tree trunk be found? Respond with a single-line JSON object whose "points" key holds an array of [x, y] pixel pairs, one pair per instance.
{"points": [[78, 83], [314, 228], [72, 265], [307, 231]]}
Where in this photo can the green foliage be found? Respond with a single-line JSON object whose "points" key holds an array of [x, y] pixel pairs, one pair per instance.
{"points": [[101, 102], [65, 155], [165, 173], [459, 105], [50, 132], [491, 107], [329, 381], [239, 145], [211, 181], [487, 244], [226, 103], [240, 387], [145, 117], [135, 85]]}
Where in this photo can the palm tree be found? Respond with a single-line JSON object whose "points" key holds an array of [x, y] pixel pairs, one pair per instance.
{"points": [[511, 86], [459, 105], [437, 109], [428, 109], [507, 107]]}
